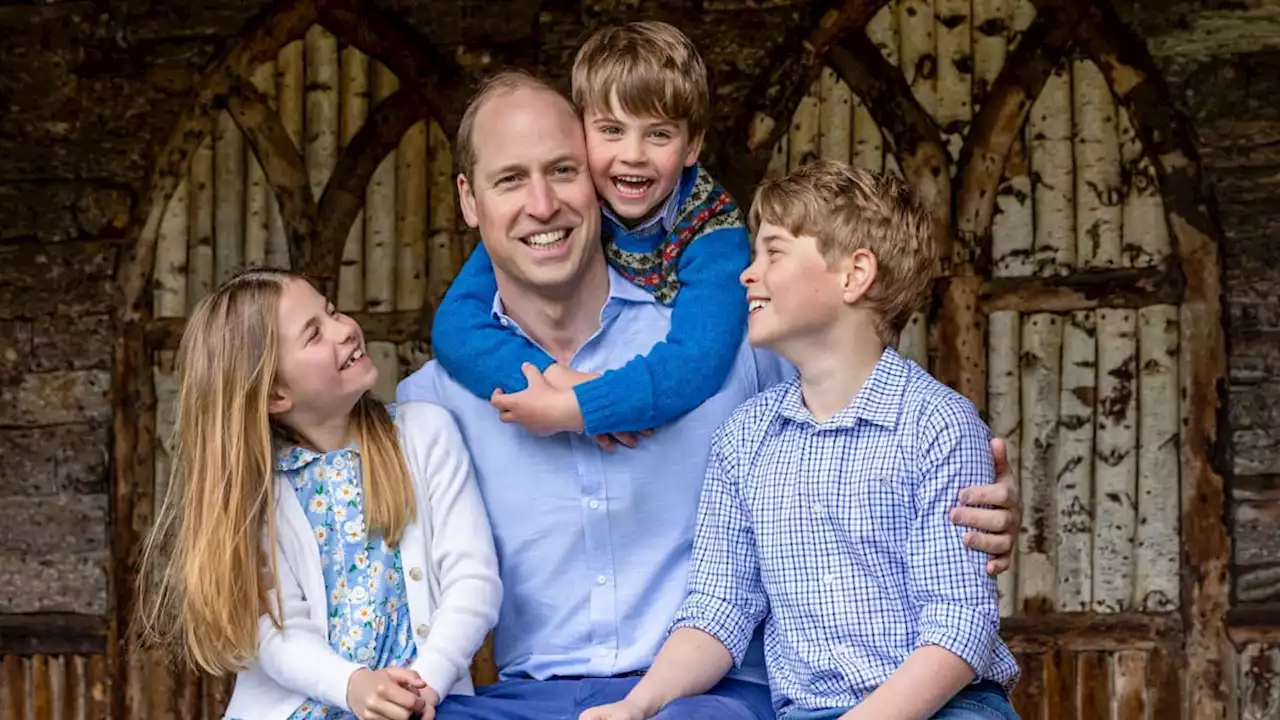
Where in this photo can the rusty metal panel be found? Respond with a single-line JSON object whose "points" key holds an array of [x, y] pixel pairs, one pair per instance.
{"points": [[54, 687]]}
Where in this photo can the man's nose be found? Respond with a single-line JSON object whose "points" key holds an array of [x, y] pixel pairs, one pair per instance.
{"points": [[541, 202]]}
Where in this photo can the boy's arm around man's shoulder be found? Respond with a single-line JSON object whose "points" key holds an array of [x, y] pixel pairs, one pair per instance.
{"points": [[691, 364]]}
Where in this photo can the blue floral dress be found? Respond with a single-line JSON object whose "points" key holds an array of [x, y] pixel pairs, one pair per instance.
{"points": [[368, 615]]}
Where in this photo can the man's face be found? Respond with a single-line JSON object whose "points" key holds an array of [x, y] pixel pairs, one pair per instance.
{"points": [[529, 192]]}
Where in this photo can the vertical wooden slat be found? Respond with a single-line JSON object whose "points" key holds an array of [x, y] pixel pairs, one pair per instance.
{"points": [[169, 287], [1158, 563], [15, 686], [1067, 695], [916, 38], [955, 71], [1013, 224], [1021, 13], [444, 252], [1051, 704], [835, 124], [158, 687], [97, 683], [1099, 199], [73, 687], [990, 44], [1093, 686], [380, 214], [228, 197], [200, 265], [1129, 682], [258, 194], [1053, 186], [166, 382], [290, 103], [1074, 463], [882, 30], [1004, 331], [384, 357], [1028, 694], [804, 130], [868, 142], [1164, 685], [41, 687], [914, 342], [411, 218], [216, 693], [1146, 228], [1040, 383], [322, 107], [1115, 466], [354, 102]]}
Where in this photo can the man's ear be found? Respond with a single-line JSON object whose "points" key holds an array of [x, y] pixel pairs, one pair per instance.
{"points": [[859, 269], [467, 201]]}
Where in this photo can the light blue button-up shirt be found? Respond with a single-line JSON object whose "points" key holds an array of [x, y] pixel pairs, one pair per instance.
{"points": [[593, 547]]}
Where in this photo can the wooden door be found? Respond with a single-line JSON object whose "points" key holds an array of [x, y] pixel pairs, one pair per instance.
{"points": [[1062, 310]]}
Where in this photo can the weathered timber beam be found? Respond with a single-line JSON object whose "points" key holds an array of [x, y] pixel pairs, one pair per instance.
{"points": [[1254, 623], [739, 148], [1127, 288], [281, 163], [257, 44], [991, 134], [53, 634], [344, 196], [436, 79], [396, 327], [1090, 631], [1167, 139]]}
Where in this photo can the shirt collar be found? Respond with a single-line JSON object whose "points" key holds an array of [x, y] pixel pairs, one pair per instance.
{"points": [[670, 209], [621, 292], [879, 401]]}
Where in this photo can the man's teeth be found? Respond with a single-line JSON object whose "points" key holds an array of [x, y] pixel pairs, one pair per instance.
{"points": [[544, 239], [355, 358], [755, 304]]}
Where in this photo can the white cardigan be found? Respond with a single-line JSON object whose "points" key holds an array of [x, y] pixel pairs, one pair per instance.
{"points": [[450, 572]]}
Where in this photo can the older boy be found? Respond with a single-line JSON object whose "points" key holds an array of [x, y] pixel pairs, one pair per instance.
{"points": [[825, 506], [668, 228]]}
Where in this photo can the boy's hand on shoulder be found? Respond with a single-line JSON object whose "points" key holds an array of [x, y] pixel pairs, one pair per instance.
{"points": [[995, 511], [621, 710], [541, 408], [563, 377]]}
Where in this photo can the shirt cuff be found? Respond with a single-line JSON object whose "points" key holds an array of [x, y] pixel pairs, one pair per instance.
{"points": [[618, 401], [966, 632], [436, 671], [719, 619]]}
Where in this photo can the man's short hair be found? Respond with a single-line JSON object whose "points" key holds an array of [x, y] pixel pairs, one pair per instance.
{"points": [[507, 81], [847, 208], [654, 69]]}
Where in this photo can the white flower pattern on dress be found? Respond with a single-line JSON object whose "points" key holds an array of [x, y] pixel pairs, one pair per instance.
{"points": [[368, 615]]}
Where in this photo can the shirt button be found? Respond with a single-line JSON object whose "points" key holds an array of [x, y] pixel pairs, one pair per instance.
{"points": [[504, 322], [829, 578], [422, 630], [817, 508], [594, 504], [415, 573], [600, 579]]}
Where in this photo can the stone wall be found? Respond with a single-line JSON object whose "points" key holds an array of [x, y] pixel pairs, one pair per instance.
{"points": [[86, 93]]}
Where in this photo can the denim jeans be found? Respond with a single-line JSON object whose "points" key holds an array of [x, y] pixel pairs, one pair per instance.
{"points": [[985, 700]]}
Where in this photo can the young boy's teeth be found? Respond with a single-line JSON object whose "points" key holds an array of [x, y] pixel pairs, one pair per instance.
{"points": [[756, 304], [546, 238], [631, 184]]}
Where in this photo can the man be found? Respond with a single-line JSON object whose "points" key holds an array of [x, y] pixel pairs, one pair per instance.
{"points": [[593, 547]]}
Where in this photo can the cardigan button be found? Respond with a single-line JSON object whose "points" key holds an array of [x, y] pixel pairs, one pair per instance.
{"points": [[415, 573], [422, 630]]}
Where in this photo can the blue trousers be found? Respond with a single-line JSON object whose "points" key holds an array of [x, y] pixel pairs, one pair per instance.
{"points": [[566, 699], [984, 700]]}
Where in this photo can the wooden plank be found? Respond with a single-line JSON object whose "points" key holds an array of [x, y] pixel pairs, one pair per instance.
{"points": [[52, 634], [41, 687], [1028, 695], [15, 687], [954, 84], [1053, 177], [445, 251], [1129, 682], [1041, 381], [354, 102], [1158, 560], [228, 197], [380, 213], [1093, 686], [1115, 468], [1098, 195], [1091, 631], [990, 44], [1123, 288], [1164, 683], [1004, 402], [835, 117], [74, 687], [258, 194], [1146, 230], [804, 130], [1073, 463], [98, 683], [412, 180], [917, 50], [169, 288], [200, 260]]}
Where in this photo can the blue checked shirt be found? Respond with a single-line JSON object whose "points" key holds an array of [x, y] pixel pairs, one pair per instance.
{"points": [[836, 534]]}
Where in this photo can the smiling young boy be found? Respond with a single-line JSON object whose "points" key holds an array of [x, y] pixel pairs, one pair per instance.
{"points": [[824, 512], [668, 227]]}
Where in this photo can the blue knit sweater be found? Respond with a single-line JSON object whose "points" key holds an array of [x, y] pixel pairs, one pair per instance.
{"points": [[700, 281]]}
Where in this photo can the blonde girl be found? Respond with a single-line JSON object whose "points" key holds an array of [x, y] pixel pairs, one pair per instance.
{"points": [[380, 577]]}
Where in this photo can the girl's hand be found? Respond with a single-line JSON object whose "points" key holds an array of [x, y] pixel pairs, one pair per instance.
{"points": [[387, 694], [430, 699]]}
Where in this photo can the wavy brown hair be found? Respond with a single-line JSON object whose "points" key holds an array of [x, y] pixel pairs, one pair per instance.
{"points": [[199, 586]]}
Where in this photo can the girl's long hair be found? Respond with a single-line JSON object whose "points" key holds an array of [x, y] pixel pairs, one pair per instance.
{"points": [[199, 590]]}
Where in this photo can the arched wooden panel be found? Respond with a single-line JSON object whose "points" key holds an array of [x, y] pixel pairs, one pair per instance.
{"points": [[1059, 313]]}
